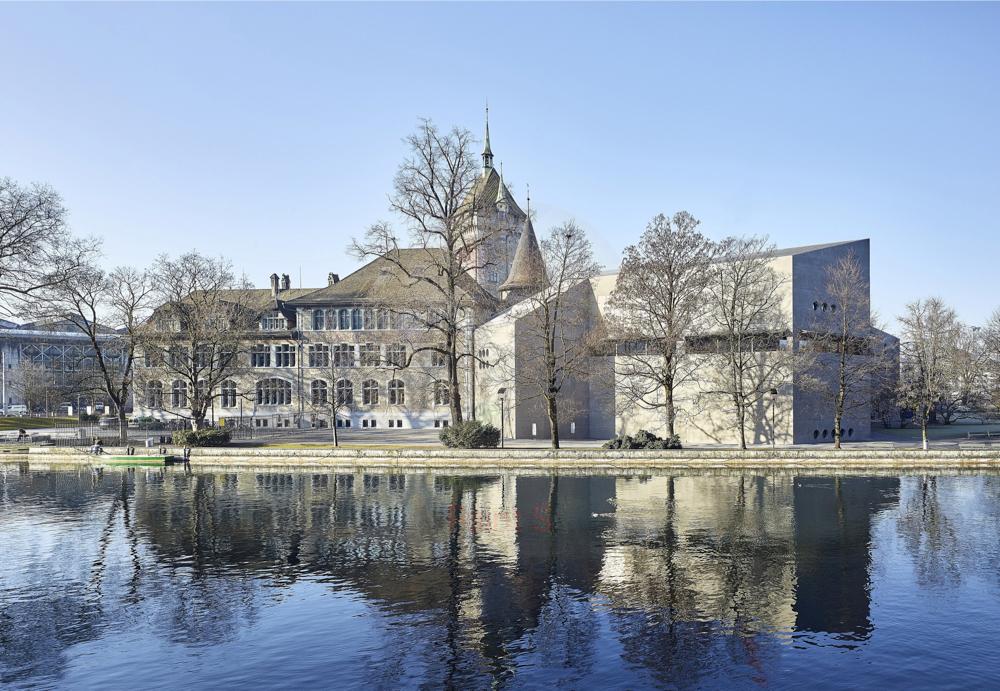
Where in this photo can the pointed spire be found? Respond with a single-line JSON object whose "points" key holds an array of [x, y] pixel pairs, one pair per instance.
{"points": [[487, 152], [527, 271]]}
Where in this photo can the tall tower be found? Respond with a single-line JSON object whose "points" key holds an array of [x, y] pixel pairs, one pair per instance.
{"points": [[497, 222]]}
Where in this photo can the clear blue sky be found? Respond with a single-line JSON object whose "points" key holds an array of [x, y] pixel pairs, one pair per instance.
{"points": [[270, 133]]}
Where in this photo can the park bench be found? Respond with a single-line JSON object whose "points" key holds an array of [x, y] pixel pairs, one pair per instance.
{"points": [[984, 435]]}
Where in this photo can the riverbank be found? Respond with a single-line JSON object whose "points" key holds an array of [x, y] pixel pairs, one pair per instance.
{"points": [[589, 460]]}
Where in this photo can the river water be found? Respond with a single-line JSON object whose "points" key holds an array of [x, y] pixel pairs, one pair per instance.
{"points": [[121, 579]]}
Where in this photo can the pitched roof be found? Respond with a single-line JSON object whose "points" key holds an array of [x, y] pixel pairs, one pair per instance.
{"points": [[263, 298], [376, 280], [527, 271], [487, 190]]}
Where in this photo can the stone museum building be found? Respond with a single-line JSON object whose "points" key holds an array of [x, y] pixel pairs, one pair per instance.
{"points": [[340, 354]]}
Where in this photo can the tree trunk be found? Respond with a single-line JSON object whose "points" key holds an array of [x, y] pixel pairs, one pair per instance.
{"points": [[553, 412], [669, 410], [741, 418], [455, 397], [838, 416], [923, 430], [668, 392], [122, 426], [333, 425]]}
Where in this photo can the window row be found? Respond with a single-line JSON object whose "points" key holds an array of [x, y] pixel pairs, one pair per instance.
{"points": [[339, 355], [276, 391], [352, 319], [178, 394], [179, 357]]}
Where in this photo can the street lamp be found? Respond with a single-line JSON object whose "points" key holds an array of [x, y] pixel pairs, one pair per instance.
{"points": [[500, 395], [774, 431]]}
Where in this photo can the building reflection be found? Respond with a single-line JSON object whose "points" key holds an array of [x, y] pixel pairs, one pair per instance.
{"points": [[486, 570], [833, 523]]}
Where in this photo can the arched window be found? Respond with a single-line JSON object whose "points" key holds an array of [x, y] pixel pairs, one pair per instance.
{"points": [[274, 392], [345, 392], [356, 322], [442, 393], [319, 322], [397, 392], [178, 394], [227, 394], [154, 394], [369, 392], [319, 392], [383, 319], [344, 319], [369, 319]]}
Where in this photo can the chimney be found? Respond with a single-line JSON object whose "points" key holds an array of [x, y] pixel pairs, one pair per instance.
{"points": [[286, 282], [332, 279], [274, 285]]}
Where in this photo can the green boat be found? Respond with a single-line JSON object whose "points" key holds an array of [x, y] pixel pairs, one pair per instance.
{"points": [[158, 460]]}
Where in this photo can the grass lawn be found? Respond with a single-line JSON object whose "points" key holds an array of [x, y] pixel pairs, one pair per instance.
{"points": [[16, 423], [934, 432]]}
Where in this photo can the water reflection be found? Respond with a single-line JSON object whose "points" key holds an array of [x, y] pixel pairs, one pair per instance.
{"points": [[422, 579]]}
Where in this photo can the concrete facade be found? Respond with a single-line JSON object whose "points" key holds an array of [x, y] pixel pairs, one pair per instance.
{"points": [[797, 414]]}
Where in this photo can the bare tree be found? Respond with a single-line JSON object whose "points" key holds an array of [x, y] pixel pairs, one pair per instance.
{"points": [[558, 340], [847, 350], [346, 381], [431, 286], [991, 347], [965, 394], [658, 297], [929, 333], [107, 308], [37, 385], [746, 329], [885, 380], [37, 251], [197, 333]]}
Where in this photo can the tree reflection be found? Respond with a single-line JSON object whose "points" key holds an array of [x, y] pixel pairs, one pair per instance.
{"points": [[929, 535], [470, 579]]}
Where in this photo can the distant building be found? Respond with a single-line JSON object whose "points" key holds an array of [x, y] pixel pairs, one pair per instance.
{"points": [[48, 366]]}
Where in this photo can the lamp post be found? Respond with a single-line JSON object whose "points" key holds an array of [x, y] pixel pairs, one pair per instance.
{"points": [[500, 395], [774, 431]]}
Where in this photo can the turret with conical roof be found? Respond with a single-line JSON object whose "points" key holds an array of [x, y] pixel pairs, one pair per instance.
{"points": [[527, 272]]}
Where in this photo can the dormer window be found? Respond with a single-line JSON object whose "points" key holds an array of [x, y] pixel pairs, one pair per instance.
{"points": [[273, 321]]}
